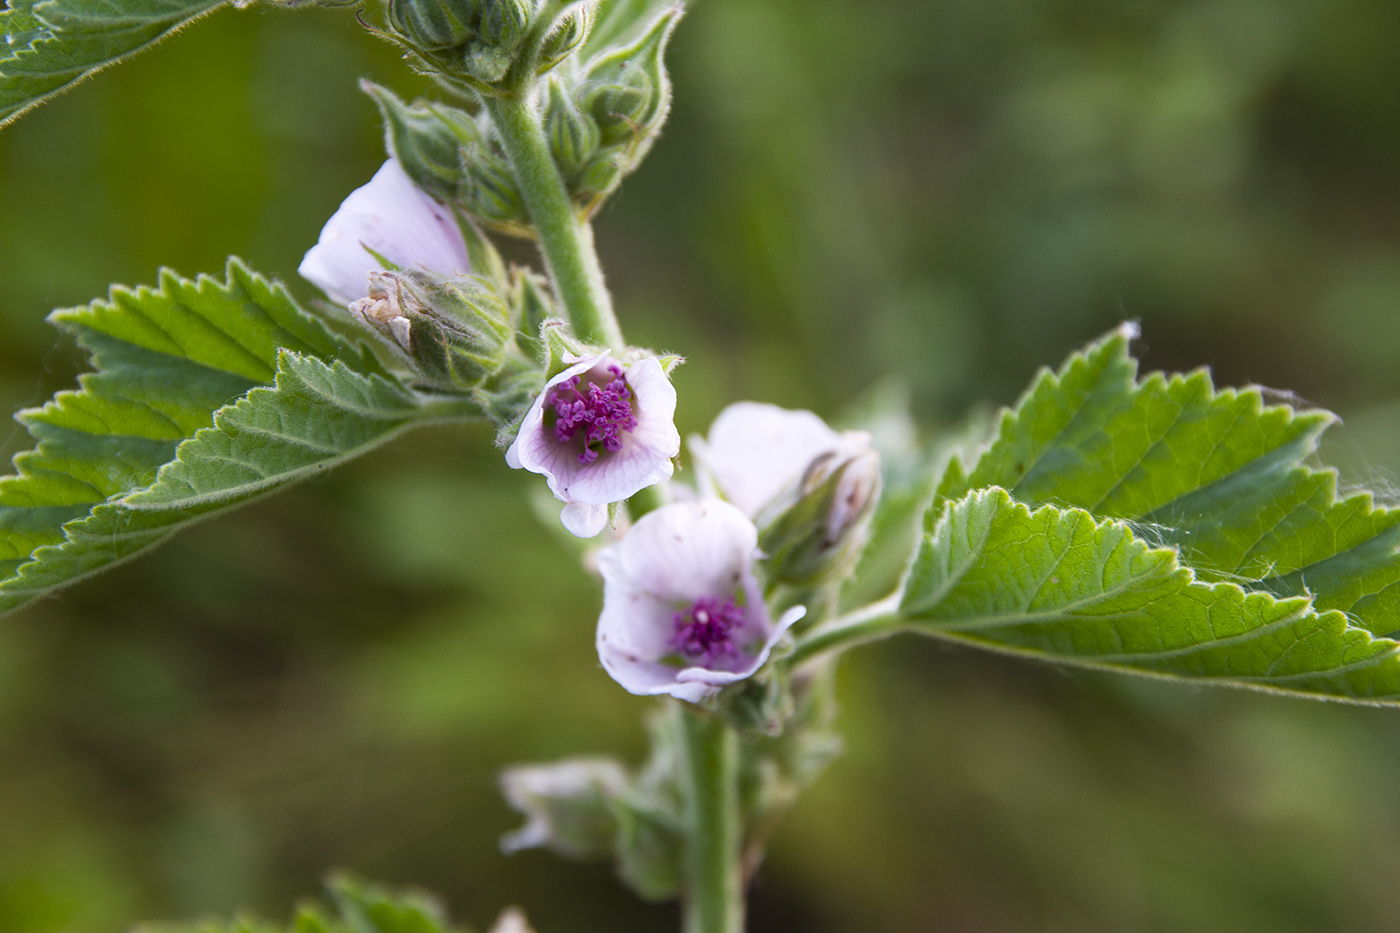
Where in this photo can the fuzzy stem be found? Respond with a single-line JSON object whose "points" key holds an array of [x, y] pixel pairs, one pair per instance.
{"points": [[714, 893], [566, 238]]}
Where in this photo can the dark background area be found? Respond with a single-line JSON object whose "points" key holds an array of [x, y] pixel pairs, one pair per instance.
{"points": [[951, 192]]}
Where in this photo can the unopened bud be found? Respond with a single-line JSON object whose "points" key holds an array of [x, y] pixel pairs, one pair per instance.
{"points": [[573, 135], [427, 139], [818, 536], [489, 190], [567, 806], [453, 330], [477, 39], [628, 91], [566, 34]]}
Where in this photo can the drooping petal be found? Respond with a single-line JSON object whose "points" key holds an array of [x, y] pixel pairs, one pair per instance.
{"points": [[395, 218]]}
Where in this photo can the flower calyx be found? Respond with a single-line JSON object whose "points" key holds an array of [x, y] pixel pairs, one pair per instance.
{"points": [[452, 331]]}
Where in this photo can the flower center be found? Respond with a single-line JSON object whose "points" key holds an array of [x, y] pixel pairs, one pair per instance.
{"points": [[598, 412], [705, 631]]}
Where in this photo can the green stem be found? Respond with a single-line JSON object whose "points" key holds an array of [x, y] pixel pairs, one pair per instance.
{"points": [[714, 894], [861, 625], [566, 239]]}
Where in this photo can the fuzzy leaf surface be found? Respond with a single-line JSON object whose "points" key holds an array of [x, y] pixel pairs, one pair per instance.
{"points": [[359, 908], [204, 394], [51, 45], [1230, 481], [1060, 585]]}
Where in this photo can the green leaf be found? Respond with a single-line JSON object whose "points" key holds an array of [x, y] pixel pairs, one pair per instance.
{"points": [[52, 45], [1224, 478], [1059, 585], [361, 908], [204, 395]]}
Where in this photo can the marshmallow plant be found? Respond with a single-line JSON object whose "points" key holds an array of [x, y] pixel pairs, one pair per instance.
{"points": [[727, 597]]}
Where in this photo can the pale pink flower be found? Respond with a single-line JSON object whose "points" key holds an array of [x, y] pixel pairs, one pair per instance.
{"points": [[683, 613], [755, 452], [395, 218], [599, 432]]}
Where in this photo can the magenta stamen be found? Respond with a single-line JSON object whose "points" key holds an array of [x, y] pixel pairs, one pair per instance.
{"points": [[601, 412], [704, 633]]}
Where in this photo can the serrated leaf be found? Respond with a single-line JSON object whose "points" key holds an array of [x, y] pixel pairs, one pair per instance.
{"points": [[1060, 585], [1218, 474], [54, 44], [178, 421], [361, 908]]}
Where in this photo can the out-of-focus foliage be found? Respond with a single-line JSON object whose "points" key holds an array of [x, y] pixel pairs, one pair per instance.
{"points": [[955, 192]]}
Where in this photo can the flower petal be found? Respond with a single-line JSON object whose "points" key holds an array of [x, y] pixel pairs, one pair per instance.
{"points": [[754, 451], [395, 218], [584, 520]]}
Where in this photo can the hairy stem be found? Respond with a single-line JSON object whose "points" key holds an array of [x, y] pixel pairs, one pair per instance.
{"points": [[566, 239], [714, 893]]}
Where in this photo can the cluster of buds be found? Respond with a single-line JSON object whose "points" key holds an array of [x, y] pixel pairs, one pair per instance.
{"points": [[601, 119], [488, 46], [452, 155]]}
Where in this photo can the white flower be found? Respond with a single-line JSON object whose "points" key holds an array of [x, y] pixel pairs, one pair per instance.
{"points": [[682, 610], [395, 218], [600, 431], [756, 452]]}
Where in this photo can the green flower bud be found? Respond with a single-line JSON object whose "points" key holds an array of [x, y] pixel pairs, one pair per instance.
{"points": [[427, 139], [453, 331], [566, 34], [627, 90], [817, 538], [478, 40], [489, 191], [573, 135]]}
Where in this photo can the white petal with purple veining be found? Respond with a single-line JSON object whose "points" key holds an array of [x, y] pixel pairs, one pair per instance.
{"points": [[644, 459], [672, 558]]}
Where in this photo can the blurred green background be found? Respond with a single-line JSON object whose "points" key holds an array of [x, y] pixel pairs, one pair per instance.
{"points": [[951, 191]]}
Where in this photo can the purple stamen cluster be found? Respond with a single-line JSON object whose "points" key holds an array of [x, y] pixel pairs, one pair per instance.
{"points": [[705, 631], [601, 412]]}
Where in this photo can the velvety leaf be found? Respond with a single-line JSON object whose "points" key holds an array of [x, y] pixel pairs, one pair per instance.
{"points": [[360, 908], [1220, 475], [1060, 585], [54, 44], [204, 394]]}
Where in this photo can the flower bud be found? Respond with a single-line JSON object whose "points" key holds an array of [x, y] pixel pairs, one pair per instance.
{"points": [[567, 806], [475, 39], [567, 33], [627, 90], [489, 190], [427, 139], [573, 135], [818, 536], [452, 330]]}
